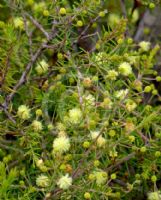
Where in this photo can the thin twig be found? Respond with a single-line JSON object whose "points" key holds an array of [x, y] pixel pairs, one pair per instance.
{"points": [[140, 28], [29, 35], [119, 162], [38, 25], [123, 8]]}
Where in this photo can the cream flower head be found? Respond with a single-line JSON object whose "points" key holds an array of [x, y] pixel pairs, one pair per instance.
{"points": [[113, 19], [154, 196], [100, 58], [112, 75], [37, 125], [125, 69], [23, 112], [101, 177], [61, 144], [65, 182], [121, 94], [42, 181], [101, 141], [144, 46], [75, 115], [42, 67], [88, 100], [18, 22], [130, 105]]}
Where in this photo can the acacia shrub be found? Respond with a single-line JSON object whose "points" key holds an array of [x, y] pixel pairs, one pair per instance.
{"points": [[74, 120]]}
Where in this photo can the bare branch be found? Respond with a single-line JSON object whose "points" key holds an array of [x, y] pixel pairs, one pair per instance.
{"points": [[38, 25], [140, 28], [123, 8]]}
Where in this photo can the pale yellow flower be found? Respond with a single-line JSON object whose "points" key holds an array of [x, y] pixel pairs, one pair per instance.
{"points": [[23, 112], [101, 177], [100, 58], [75, 115], [42, 181], [144, 46], [88, 100], [125, 69], [37, 125], [130, 105], [61, 144], [154, 196], [18, 22], [65, 182], [39, 7], [112, 75], [121, 94], [113, 19], [100, 141], [42, 67], [60, 126]]}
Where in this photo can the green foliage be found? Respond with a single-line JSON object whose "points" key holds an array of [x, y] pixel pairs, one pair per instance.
{"points": [[6, 181], [79, 102]]}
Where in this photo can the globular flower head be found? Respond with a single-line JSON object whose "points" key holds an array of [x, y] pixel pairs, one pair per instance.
{"points": [[144, 46], [94, 134], [154, 196], [18, 22], [39, 112], [87, 82], [113, 19], [23, 112], [137, 84], [79, 23], [101, 177], [42, 181], [100, 141], [62, 11], [39, 162], [42, 67], [65, 182], [100, 58], [60, 126], [87, 195], [125, 69], [121, 94], [37, 125], [130, 105], [39, 7], [62, 134], [88, 100], [75, 115], [107, 103], [129, 126], [50, 127], [113, 154], [61, 144], [112, 75]]}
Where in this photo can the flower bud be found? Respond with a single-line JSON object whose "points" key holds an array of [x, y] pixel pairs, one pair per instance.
{"points": [[79, 23], [62, 11], [87, 195]]}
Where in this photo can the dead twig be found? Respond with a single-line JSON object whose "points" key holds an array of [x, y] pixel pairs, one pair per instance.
{"points": [[38, 25]]}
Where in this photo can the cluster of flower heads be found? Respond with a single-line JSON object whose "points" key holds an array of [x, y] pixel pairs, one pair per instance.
{"points": [[77, 116], [89, 123]]}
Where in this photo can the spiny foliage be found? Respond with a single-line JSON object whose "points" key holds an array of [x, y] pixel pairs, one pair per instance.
{"points": [[79, 102]]}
